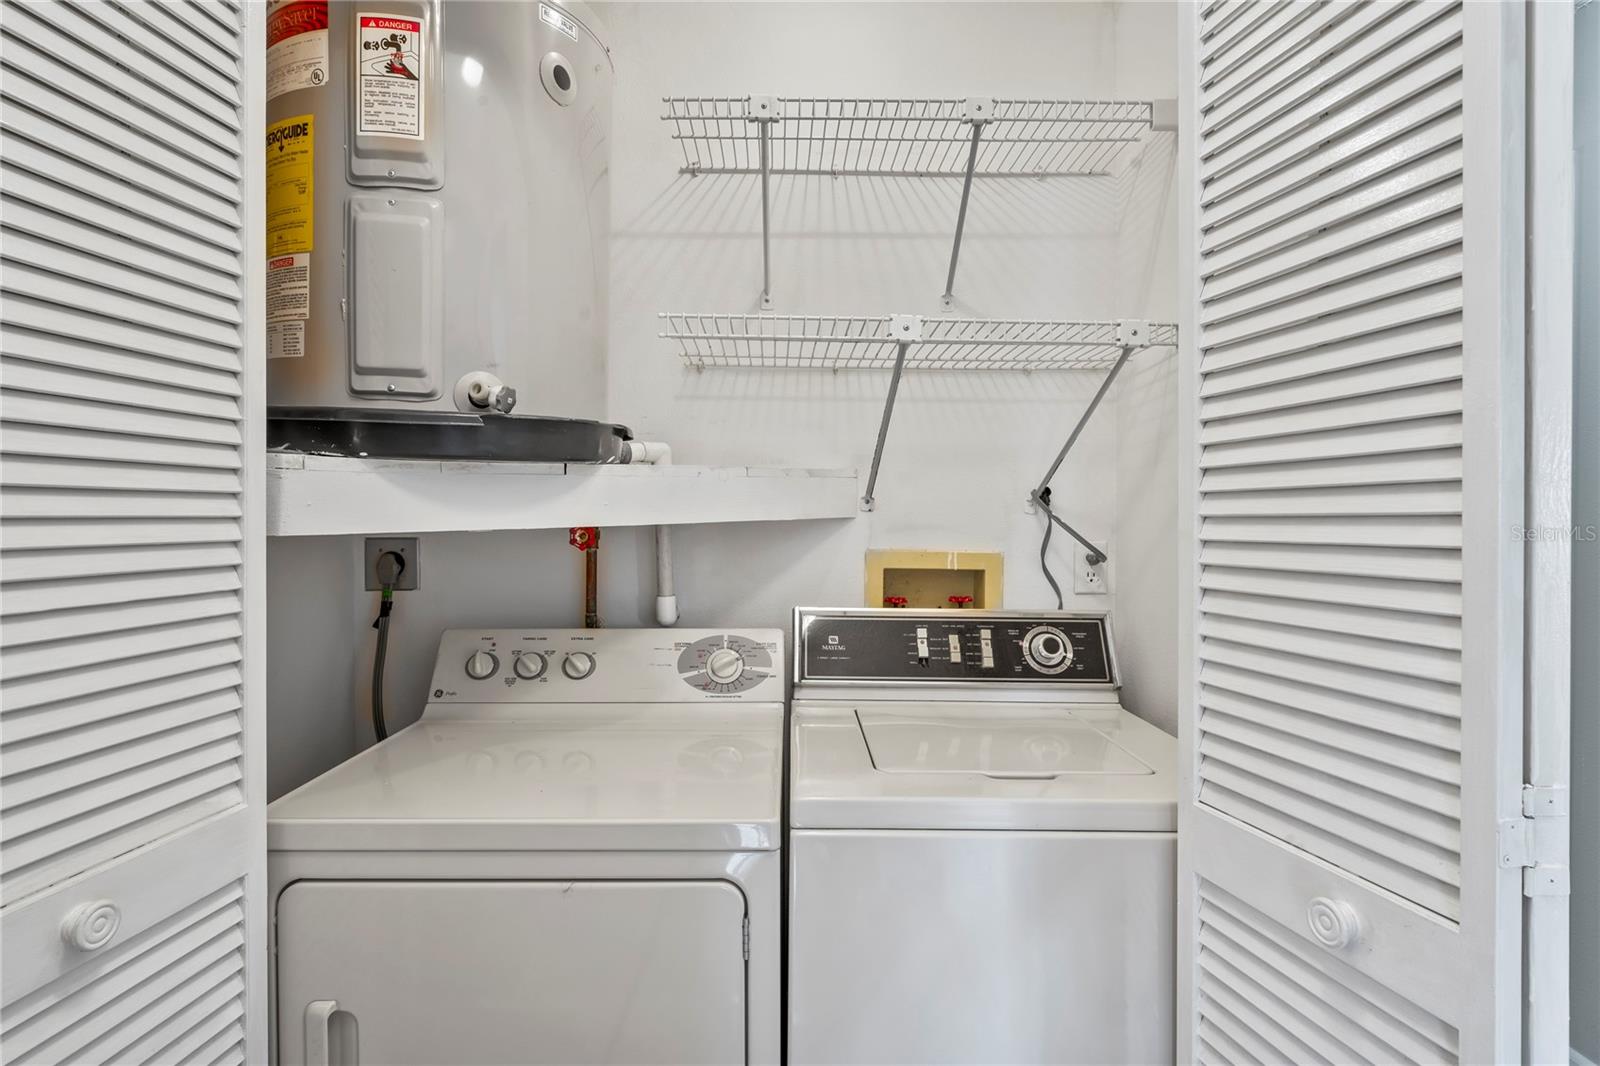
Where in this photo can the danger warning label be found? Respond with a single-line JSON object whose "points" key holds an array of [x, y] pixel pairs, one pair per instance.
{"points": [[288, 287], [389, 74], [297, 45]]}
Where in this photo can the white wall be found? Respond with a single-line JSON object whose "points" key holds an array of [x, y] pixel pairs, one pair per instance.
{"points": [[1586, 553], [964, 449], [1147, 402], [313, 634]]}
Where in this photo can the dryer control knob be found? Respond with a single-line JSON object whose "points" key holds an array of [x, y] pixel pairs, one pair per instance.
{"points": [[578, 665], [529, 665], [481, 665], [725, 665]]}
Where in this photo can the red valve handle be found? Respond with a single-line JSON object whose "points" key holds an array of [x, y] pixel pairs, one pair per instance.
{"points": [[960, 601], [584, 537], [895, 601]]}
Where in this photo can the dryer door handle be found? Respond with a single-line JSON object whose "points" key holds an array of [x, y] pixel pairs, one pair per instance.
{"points": [[320, 1050]]}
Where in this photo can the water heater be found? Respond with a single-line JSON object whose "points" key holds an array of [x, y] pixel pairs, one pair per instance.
{"points": [[437, 225]]}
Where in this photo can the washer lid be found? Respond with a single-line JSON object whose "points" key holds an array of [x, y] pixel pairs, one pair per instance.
{"points": [[586, 778], [997, 765], [1027, 746]]}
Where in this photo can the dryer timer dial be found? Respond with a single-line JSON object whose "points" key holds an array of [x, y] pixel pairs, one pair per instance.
{"points": [[725, 665]]}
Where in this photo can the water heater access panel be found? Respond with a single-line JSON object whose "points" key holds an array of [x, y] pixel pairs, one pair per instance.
{"points": [[953, 646]]}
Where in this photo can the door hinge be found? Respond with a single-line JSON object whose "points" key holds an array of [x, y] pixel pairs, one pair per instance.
{"points": [[1523, 844], [746, 938]]}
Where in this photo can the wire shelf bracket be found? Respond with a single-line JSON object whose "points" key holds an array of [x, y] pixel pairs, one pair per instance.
{"points": [[906, 331], [898, 343], [764, 111], [1132, 335], [976, 137]]}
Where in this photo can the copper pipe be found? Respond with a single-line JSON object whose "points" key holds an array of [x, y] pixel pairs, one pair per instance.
{"points": [[591, 588], [587, 540]]}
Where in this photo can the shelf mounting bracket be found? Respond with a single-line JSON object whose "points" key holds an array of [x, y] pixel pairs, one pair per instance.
{"points": [[905, 330], [764, 111], [976, 113], [1132, 335]]}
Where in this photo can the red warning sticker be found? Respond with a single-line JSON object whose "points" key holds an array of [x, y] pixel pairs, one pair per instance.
{"points": [[389, 74], [297, 45], [288, 287]]}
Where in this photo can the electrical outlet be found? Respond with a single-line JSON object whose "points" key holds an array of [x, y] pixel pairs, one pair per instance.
{"points": [[1090, 580], [407, 549]]}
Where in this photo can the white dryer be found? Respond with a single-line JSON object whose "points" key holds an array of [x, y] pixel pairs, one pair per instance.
{"points": [[982, 846], [572, 857]]}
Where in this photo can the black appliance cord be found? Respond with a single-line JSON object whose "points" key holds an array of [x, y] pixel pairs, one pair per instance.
{"points": [[390, 567]]}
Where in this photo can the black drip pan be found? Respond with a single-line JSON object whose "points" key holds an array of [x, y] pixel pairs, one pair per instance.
{"points": [[368, 433]]}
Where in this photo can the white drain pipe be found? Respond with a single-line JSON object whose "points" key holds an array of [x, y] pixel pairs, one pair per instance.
{"points": [[659, 453]]}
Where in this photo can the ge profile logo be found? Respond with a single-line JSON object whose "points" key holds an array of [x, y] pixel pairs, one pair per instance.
{"points": [[438, 692]]}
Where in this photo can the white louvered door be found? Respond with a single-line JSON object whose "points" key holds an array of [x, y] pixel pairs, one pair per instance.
{"points": [[132, 831], [1352, 733]]}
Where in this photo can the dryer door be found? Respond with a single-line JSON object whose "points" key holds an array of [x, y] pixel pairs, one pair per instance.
{"points": [[414, 972]]}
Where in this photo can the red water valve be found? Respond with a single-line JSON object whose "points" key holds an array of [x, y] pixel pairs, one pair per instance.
{"points": [[960, 601], [584, 537], [895, 601]]}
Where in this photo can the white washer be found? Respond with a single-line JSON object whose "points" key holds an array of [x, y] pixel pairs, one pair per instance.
{"points": [[982, 847], [572, 857]]}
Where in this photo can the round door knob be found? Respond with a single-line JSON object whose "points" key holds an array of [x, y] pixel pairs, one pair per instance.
{"points": [[482, 664], [725, 665], [90, 926], [1049, 648], [578, 665], [1333, 922], [529, 665]]}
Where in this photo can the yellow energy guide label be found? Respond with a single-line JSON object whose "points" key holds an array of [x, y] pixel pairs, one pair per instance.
{"points": [[290, 154]]}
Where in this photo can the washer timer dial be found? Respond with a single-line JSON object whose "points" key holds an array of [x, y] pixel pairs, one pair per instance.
{"points": [[1047, 649]]}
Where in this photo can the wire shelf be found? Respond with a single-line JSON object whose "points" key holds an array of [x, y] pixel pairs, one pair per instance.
{"points": [[842, 342], [905, 137]]}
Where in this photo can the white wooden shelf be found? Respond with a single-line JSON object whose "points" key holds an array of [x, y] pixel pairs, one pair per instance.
{"points": [[312, 495]]}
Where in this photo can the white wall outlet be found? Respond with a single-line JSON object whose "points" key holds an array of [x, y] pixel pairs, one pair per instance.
{"points": [[1090, 580]]}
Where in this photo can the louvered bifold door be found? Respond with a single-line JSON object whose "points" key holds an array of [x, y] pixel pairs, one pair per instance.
{"points": [[1352, 719], [131, 798]]}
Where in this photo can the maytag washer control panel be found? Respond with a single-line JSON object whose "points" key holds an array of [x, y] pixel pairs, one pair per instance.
{"points": [[1044, 647]]}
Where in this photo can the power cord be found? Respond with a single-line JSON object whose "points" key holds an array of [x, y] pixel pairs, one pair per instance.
{"points": [[1093, 555], [390, 566], [1043, 499]]}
